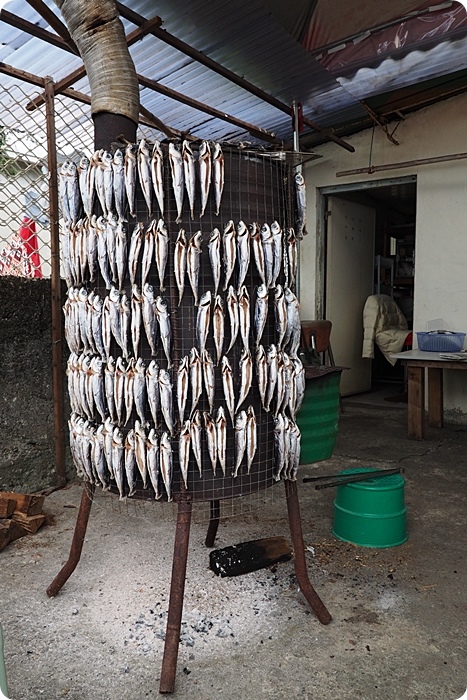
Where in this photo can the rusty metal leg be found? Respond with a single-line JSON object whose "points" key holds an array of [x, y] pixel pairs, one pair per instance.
{"points": [[213, 523], [177, 589], [293, 508], [77, 541]]}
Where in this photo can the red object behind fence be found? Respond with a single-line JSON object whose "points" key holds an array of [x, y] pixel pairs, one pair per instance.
{"points": [[27, 233]]}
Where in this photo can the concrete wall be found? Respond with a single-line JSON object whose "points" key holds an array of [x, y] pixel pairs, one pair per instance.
{"points": [[26, 399], [441, 227]]}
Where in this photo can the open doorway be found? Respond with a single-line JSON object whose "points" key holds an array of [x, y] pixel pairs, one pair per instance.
{"points": [[367, 247]]}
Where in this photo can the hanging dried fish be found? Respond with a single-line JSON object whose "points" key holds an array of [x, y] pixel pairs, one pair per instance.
{"points": [[277, 251], [98, 457], [152, 389], [166, 464], [83, 174], [272, 361], [256, 244], [96, 325], [72, 191], [130, 169], [153, 461], [140, 452], [62, 190], [209, 377], [118, 460], [115, 318], [268, 253], [183, 379], [196, 378], [193, 260], [128, 390], [130, 461], [111, 242], [202, 320], [88, 311], [243, 253], [68, 268], [148, 250], [149, 317], [189, 174], [292, 256], [121, 254], [280, 310], [280, 452], [211, 439], [184, 451], [102, 256], [144, 173], [195, 439], [218, 326], [107, 432], [98, 390], [262, 373], [136, 302], [139, 389], [118, 168], [227, 384], [165, 329], [218, 175], [106, 330], [300, 192], [180, 255], [221, 430], [161, 250], [214, 248], [136, 242], [232, 308], [246, 376], [99, 179], [229, 251], [176, 169], [165, 390], [109, 384], [293, 326], [119, 389], [204, 160], [240, 440], [91, 245], [108, 181], [251, 438], [157, 175], [298, 379], [244, 316], [294, 456], [261, 312]]}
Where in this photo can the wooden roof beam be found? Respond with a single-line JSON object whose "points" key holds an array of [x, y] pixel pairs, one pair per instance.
{"points": [[34, 30], [51, 18]]}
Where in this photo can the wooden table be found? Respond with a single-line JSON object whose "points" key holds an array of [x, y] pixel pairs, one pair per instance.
{"points": [[416, 362]]}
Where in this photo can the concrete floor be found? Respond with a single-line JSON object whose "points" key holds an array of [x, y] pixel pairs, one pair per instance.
{"points": [[399, 614]]}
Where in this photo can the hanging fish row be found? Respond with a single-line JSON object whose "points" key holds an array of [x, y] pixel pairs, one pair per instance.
{"points": [[287, 440], [101, 244], [112, 180]]}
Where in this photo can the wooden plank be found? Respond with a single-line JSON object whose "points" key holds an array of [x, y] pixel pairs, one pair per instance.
{"points": [[4, 535], [250, 556], [31, 523], [7, 506], [29, 504], [435, 397], [416, 402], [15, 530]]}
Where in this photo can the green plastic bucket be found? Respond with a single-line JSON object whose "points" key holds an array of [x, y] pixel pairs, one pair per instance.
{"points": [[371, 513], [3, 684], [318, 418]]}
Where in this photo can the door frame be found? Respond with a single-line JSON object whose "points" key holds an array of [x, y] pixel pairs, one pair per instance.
{"points": [[322, 193]]}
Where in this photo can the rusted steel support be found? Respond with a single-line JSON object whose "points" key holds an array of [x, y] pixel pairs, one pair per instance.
{"points": [[76, 543], [313, 599], [57, 337], [32, 29], [53, 21], [213, 523], [21, 75], [402, 164], [177, 590]]}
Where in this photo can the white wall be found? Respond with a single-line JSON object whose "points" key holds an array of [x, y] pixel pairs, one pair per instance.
{"points": [[441, 226]]}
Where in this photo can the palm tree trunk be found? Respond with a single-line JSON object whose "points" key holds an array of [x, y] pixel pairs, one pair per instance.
{"points": [[97, 31]]}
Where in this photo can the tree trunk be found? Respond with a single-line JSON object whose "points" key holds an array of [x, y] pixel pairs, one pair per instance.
{"points": [[97, 31]]}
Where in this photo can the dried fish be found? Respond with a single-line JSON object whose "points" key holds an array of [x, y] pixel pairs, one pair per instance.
{"points": [[72, 192], [62, 189], [214, 248], [204, 160], [209, 378], [135, 249], [152, 389], [268, 253], [211, 439], [148, 250], [130, 461], [129, 393], [118, 459], [119, 389], [139, 389], [91, 244], [107, 432], [118, 168], [98, 456], [280, 452], [99, 179], [109, 383], [161, 250], [293, 326], [232, 308], [221, 430], [195, 439], [218, 326], [121, 254], [280, 310], [243, 253], [183, 379], [261, 312], [165, 329], [292, 256], [130, 168], [300, 193], [98, 389], [83, 170], [149, 317], [229, 251], [244, 316], [251, 437], [140, 452], [96, 325], [246, 376], [189, 174], [240, 440], [193, 259], [184, 450], [115, 318], [176, 169], [180, 255], [135, 327], [111, 243], [262, 373], [102, 257], [165, 390], [153, 461], [294, 456], [108, 181], [202, 320], [218, 175], [277, 251], [166, 462], [298, 379], [88, 311], [196, 378], [272, 361], [256, 244], [144, 172], [157, 175], [227, 384]]}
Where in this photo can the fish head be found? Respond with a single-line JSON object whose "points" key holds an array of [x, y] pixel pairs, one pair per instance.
{"points": [[266, 232], [156, 149], [148, 291], [217, 152], [275, 228], [254, 229], [84, 162], [185, 431], [220, 415], [240, 421], [130, 150], [140, 366], [260, 353], [183, 364], [181, 238], [215, 235], [204, 149], [206, 357], [262, 291], [244, 296], [110, 364], [153, 369], [218, 303], [135, 292], [161, 305], [225, 365], [241, 229], [164, 377], [196, 420], [130, 438], [299, 180], [251, 413], [114, 295], [161, 227], [229, 228], [197, 239], [291, 235], [174, 151], [272, 352], [118, 157], [231, 296], [205, 299], [194, 355], [279, 292]]}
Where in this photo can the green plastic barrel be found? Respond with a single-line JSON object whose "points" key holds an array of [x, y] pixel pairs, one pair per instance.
{"points": [[371, 513], [318, 418], [3, 685]]}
